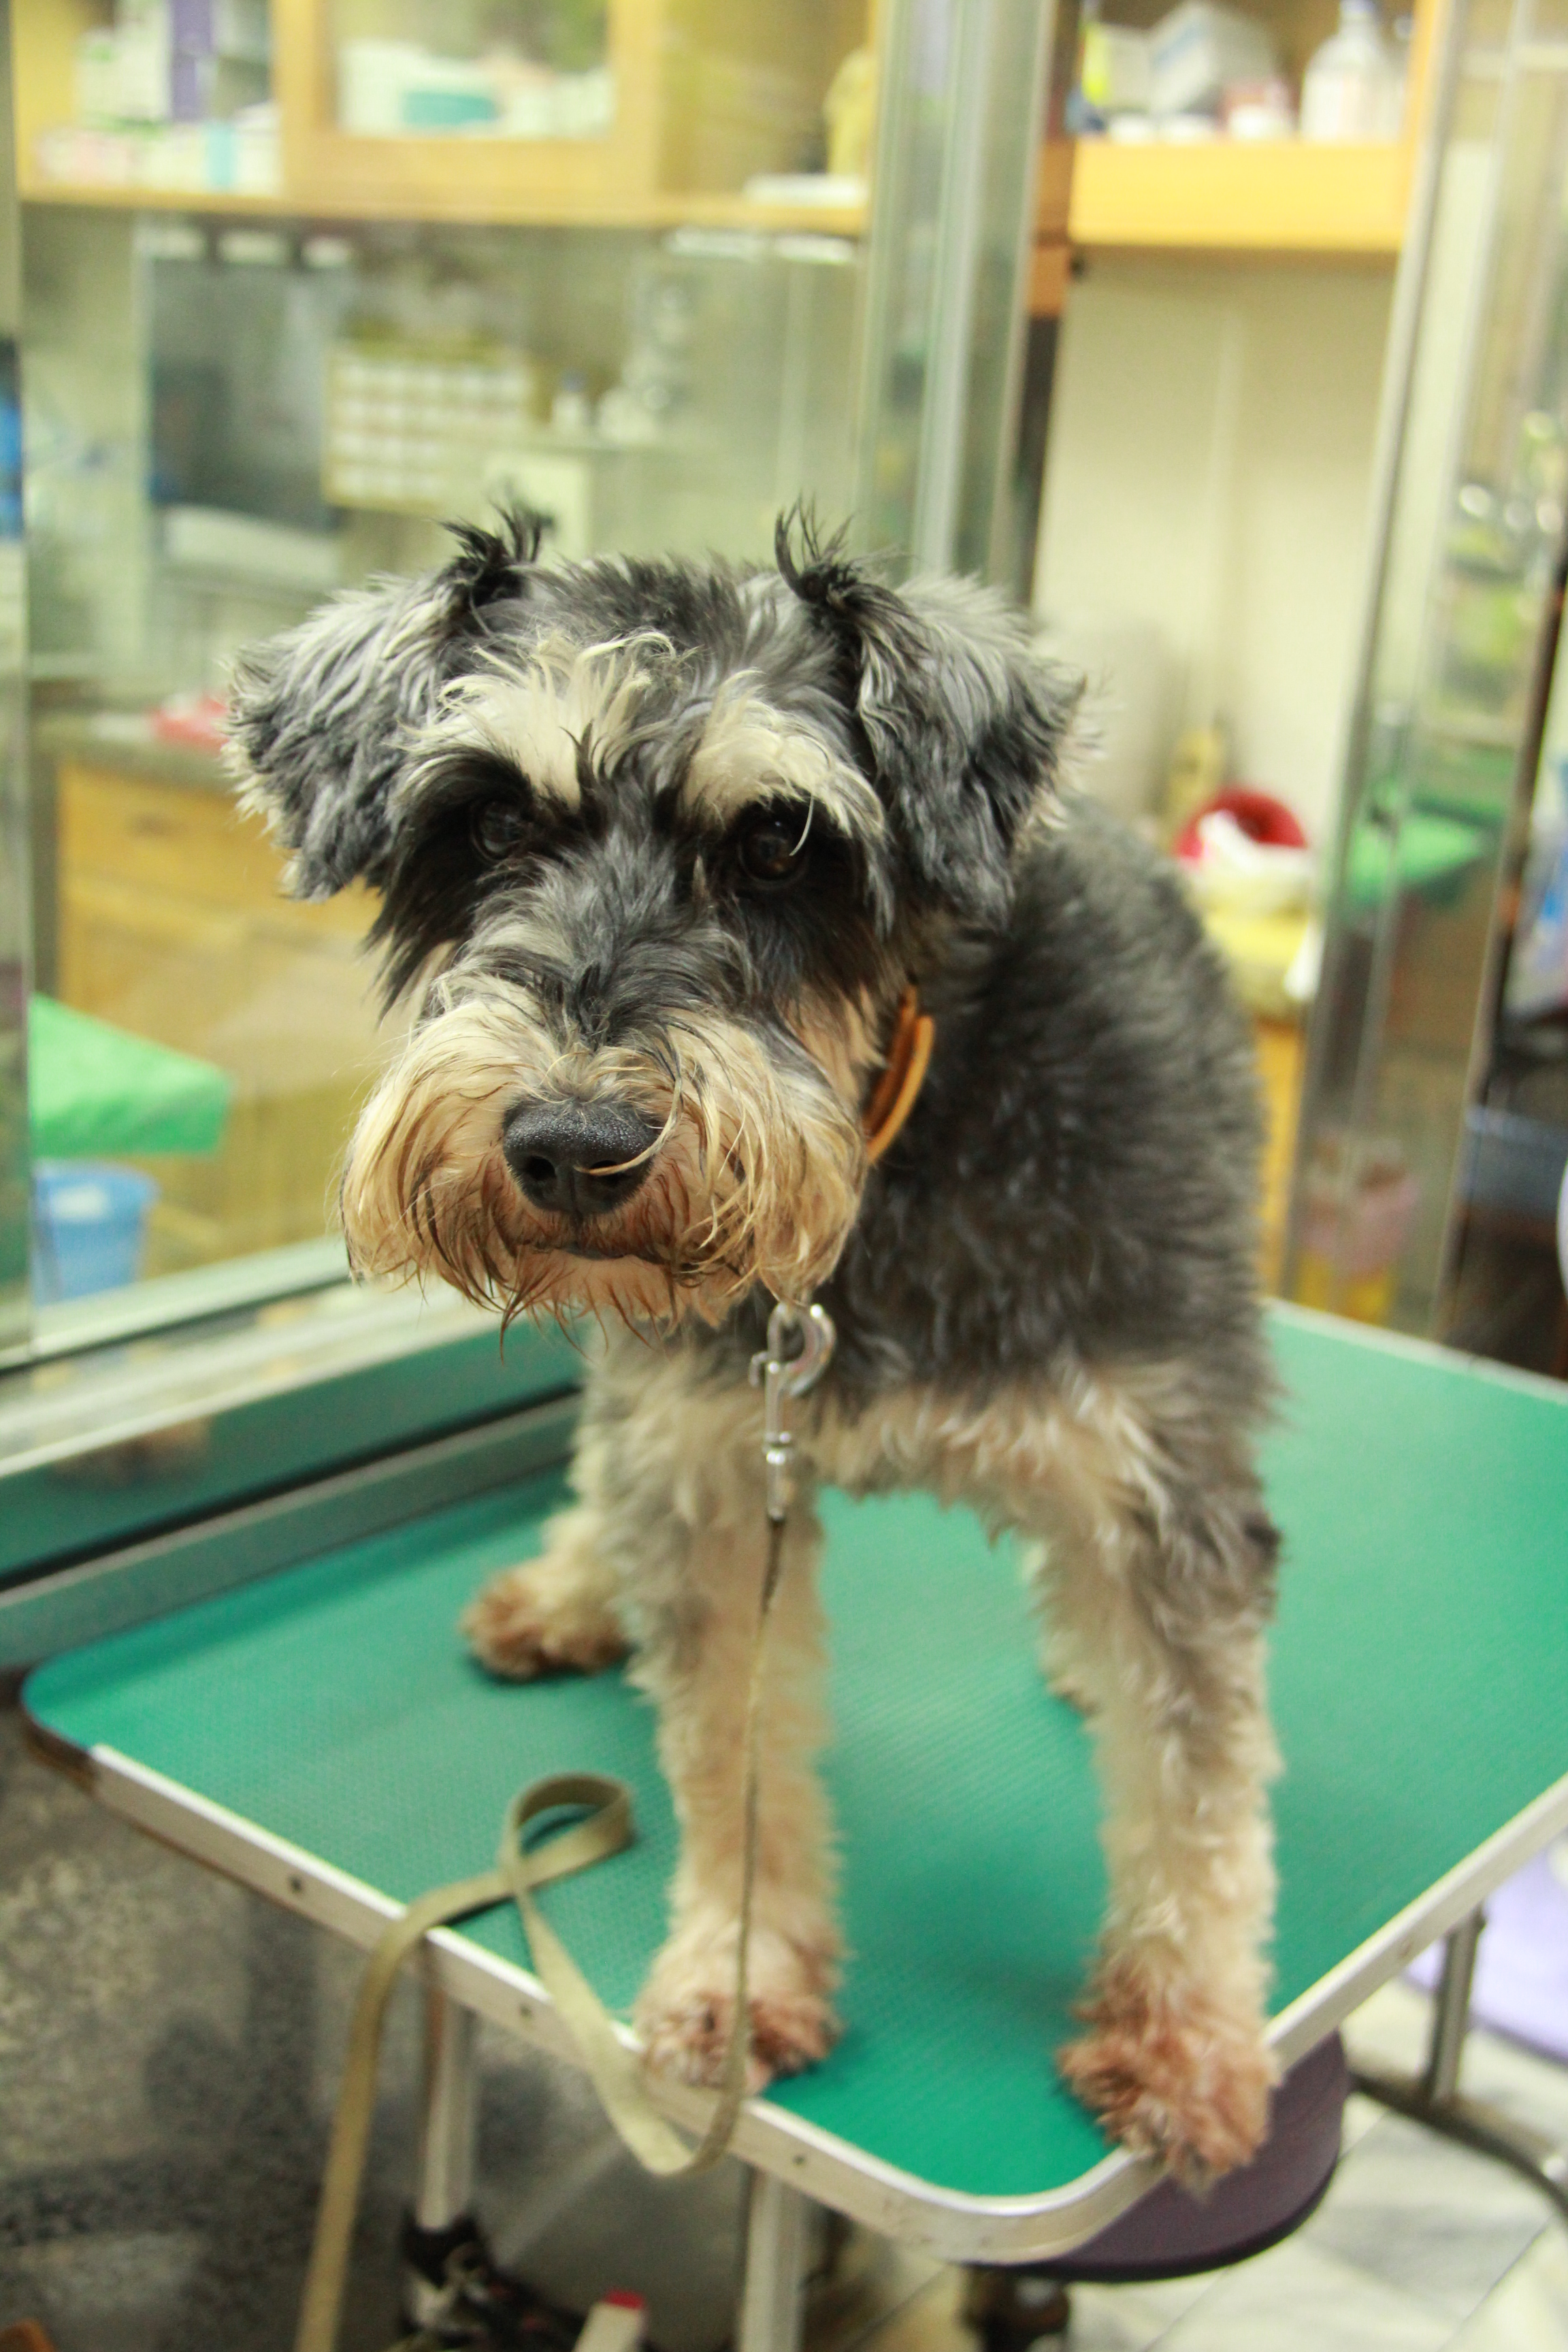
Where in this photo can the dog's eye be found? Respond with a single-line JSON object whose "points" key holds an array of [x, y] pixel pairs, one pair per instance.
{"points": [[496, 827], [773, 849]]}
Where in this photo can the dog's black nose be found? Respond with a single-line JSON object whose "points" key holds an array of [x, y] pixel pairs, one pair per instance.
{"points": [[571, 1157]]}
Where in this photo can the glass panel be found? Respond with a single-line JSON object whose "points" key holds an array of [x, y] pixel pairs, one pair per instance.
{"points": [[1507, 1295], [1446, 731], [963, 115], [303, 284], [234, 411], [14, 1316]]}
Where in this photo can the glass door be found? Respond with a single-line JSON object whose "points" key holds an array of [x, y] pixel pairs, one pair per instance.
{"points": [[1445, 731], [15, 1154]]}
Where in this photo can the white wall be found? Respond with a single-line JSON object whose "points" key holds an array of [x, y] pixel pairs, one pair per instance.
{"points": [[1208, 477]]}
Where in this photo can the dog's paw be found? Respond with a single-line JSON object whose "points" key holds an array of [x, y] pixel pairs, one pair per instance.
{"points": [[534, 1621], [1171, 2074], [687, 2039], [685, 2013]]}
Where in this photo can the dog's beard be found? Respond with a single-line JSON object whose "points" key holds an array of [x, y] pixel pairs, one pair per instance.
{"points": [[756, 1176]]}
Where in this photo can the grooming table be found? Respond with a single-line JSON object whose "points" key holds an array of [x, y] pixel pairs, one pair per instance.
{"points": [[321, 1736]]}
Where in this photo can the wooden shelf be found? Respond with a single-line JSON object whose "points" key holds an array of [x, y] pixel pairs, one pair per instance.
{"points": [[1228, 196], [35, 189], [1288, 198], [664, 209], [708, 211]]}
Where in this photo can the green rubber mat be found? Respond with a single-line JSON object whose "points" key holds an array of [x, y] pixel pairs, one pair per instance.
{"points": [[1421, 1682]]}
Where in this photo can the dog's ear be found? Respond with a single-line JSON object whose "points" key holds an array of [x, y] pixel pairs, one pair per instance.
{"points": [[963, 727], [320, 717]]}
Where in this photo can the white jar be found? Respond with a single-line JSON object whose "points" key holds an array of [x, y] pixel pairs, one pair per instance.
{"points": [[1353, 90]]}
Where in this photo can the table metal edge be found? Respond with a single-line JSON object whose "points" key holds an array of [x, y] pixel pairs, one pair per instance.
{"points": [[951, 2224]]}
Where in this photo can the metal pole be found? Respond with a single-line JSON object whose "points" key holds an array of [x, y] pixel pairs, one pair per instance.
{"points": [[15, 923], [959, 228], [1451, 2011], [1434, 2097], [1395, 405], [446, 2130], [777, 2223]]}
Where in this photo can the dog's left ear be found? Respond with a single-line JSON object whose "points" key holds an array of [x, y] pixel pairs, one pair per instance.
{"points": [[962, 726], [320, 717]]}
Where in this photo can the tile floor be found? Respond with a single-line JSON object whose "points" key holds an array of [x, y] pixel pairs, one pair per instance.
{"points": [[1418, 2247], [167, 2049]]}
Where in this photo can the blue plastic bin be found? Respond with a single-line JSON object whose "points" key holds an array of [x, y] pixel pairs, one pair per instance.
{"points": [[89, 1221]]}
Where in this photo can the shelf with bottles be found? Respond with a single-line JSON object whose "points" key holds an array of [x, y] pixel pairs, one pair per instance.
{"points": [[1222, 165], [612, 112], [146, 102]]}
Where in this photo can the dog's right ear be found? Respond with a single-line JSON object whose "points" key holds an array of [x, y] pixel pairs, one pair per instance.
{"points": [[962, 729], [320, 717]]}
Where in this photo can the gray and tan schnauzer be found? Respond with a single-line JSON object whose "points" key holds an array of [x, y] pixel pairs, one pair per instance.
{"points": [[661, 846]]}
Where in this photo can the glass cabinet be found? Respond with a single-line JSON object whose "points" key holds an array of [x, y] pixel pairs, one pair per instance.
{"points": [[302, 282], [1420, 1147]]}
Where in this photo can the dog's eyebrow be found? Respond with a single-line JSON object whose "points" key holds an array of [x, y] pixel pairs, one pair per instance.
{"points": [[749, 751], [537, 714]]}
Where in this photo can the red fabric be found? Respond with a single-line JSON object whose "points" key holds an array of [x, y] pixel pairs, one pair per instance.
{"points": [[1260, 816]]}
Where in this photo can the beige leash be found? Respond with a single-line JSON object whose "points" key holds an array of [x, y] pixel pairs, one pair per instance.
{"points": [[615, 2070]]}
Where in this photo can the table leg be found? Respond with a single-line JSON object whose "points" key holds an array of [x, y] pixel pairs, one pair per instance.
{"points": [[1433, 2096], [446, 2134], [441, 2223], [777, 2225]]}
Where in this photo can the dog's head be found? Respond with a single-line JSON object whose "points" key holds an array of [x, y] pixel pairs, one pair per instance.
{"points": [[659, 846]]}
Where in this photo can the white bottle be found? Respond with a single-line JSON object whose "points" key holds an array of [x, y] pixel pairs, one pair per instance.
{"points": [[1353, 89]]}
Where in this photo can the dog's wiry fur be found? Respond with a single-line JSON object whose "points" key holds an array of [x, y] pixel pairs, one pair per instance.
{"points": [[1044, 1294]]}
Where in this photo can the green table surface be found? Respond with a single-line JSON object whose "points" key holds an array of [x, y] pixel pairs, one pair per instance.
{"points": [[96, 1092], [1421, 1689]]}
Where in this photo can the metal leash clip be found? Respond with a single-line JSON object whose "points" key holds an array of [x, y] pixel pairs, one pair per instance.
{"points": [[782, 1376]]}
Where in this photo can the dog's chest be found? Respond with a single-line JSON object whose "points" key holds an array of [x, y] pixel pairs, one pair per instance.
{"points": [[1002, 1456]]}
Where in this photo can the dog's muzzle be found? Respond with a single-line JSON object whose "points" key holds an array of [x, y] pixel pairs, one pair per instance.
{"points": [[577, 1159]]}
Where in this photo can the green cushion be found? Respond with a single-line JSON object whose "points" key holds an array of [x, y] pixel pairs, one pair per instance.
{"points": [[97, 1092], [1435, 856], [1421, 1683]]}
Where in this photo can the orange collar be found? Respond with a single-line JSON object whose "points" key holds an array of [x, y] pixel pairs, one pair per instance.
{"points": [[902, 1074]]}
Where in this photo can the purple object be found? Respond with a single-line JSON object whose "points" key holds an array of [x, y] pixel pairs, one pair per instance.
{"points": [[191, 45], [1170, 2234], [1522, 1967], [191, 26]]}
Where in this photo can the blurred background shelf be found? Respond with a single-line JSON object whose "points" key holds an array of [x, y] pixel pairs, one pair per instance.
{"points": [[34, 187], [658, 211], [1285, 198], [704, 100]]}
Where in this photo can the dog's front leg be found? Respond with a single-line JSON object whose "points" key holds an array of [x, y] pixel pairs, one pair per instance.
{"points": [[562, 1609], [693, 1607], [665, 1549], [1159, 1583]]}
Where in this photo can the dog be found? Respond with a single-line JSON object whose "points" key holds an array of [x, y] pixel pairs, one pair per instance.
{"points": [[661, 846]]}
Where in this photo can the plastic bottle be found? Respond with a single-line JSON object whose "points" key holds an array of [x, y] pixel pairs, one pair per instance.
{"points": [[1354, 87]]}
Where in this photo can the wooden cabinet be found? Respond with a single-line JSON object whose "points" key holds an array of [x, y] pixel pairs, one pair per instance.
{"points": [[707, 95], [173, 925]]}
